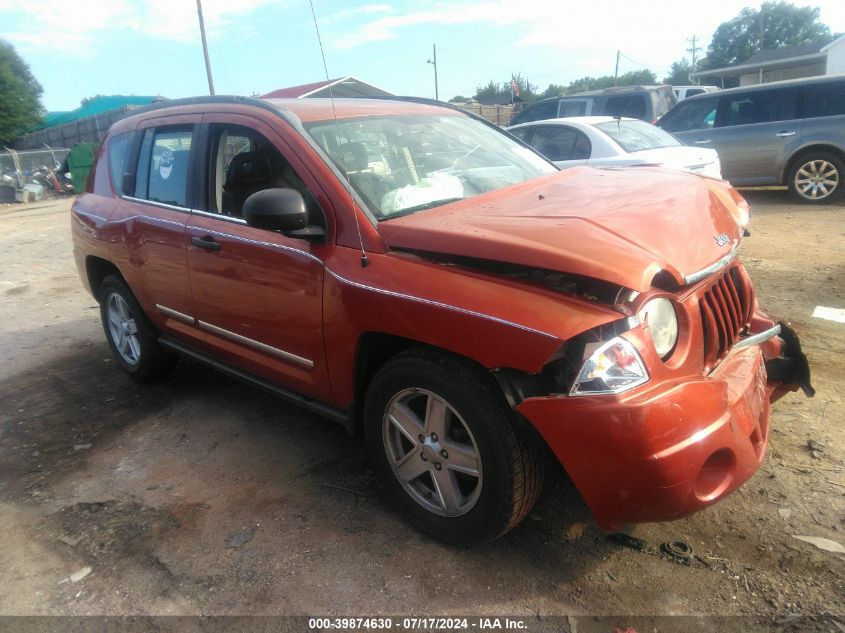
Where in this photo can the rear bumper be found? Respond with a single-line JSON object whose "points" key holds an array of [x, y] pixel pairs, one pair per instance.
{"points": [[669, 450]]}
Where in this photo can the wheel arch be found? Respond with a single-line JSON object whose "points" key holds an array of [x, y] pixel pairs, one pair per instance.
{"points": [[374, 349], [801, 152], [96, 270]]}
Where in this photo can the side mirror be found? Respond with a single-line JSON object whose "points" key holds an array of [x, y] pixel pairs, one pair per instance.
{"points": [[276, 209]]}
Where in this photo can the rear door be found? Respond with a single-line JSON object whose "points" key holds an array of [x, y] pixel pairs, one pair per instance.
{"points": [[155, 206], [258, 293], [757, 131]]}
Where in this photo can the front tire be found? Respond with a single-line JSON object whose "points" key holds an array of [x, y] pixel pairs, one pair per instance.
{"points": [[131, 337], [817, 178], [448, 448]]}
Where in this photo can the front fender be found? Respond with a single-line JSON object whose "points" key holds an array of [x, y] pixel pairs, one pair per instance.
{"points": [[495, 322]]}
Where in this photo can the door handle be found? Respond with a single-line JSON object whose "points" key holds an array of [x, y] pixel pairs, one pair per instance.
{"points": [[206, 243], [704, 141], [784, 134]]}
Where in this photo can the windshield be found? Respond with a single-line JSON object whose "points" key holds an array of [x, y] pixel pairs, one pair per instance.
{"points": [[637, 136], [403, 164]]}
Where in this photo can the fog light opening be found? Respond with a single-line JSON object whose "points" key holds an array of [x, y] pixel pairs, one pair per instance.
{"points": [[715, 475]]}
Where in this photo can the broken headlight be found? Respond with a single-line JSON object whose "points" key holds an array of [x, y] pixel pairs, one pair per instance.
{"points": [[614, 367], [659, 315]]}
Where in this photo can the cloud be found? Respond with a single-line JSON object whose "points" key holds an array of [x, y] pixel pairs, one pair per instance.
{"points": [[346, 14], [74, 27]]}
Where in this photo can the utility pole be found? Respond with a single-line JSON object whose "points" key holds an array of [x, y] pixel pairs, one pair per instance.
{"points": [[692, 50], [616, 72], [434, 62], [205, 49]]}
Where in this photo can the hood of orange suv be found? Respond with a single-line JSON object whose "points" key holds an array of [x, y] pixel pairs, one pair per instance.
{"points": [[619, 225]]}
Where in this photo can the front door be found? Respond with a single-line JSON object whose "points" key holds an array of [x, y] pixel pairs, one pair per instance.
{"points": [[258, 294], [693, 123]]}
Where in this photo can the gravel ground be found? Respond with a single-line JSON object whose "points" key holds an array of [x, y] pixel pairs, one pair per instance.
{"points": [[204, 496]]}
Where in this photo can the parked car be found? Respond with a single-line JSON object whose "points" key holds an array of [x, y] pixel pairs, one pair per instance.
{"points": [[648, 103], [422, 277], [682, 92], [602, 141], [782, 133]]}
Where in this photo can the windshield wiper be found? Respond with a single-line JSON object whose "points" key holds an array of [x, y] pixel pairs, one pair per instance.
{"points": [[421, 207]]}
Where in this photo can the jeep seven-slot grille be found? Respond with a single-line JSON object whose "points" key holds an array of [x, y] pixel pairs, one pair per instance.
{"points": [[725, 311]]}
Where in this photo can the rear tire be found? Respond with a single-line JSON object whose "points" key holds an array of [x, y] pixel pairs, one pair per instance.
{"points": [[817, 178], [448, 448], [131, 337]]}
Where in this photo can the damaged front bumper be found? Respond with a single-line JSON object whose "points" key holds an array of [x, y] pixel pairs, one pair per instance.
{"points": [[669, 449], [788, 368]]}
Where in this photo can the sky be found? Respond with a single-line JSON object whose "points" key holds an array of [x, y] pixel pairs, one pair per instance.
{"points": [[79, 48]]}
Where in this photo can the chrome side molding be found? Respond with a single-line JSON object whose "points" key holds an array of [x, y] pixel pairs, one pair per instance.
{"points": [[268, 349], [175, 314]]}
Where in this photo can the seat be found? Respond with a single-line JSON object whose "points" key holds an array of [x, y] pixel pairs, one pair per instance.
{"points": [[582, 149], [369, 185], [249, 172], [551, 151], [744, 113]]}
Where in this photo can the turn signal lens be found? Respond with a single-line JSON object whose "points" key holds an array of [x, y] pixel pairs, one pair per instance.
{"points": [[614, 367]]}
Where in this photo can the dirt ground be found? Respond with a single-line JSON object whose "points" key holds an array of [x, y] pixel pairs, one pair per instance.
{"points": [[205, 496]]}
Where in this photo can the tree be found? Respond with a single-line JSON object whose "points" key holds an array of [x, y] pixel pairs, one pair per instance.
{"points": [[781, 24], [458, 99], [20, 95], [554, 90], [679, 73], [632, 78], [502, 91], [489, 91]]}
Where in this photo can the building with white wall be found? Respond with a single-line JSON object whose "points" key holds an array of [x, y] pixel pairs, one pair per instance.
{"points": [[777, 64]]}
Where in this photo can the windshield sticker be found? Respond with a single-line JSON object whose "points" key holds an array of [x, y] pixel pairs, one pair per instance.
{"points": [[165, 165]]}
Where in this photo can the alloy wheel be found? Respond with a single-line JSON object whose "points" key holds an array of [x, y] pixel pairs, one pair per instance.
{"points": [[432, 452], [816, 179], [123, 330]]}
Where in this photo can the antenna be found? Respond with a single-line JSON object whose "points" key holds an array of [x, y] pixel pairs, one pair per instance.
{"points": [[364, 260]]}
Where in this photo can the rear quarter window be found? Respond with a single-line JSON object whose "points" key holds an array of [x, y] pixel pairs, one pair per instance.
{"points": [[633, 106], [827, 99]]}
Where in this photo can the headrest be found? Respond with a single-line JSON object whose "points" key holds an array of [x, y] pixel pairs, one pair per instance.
{"points": [[248, 167], [355, 156]]}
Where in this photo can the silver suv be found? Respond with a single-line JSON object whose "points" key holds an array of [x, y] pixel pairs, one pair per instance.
{"points": [[786, 132], [648, 103]]}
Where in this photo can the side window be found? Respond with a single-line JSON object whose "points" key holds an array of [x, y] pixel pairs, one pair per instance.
{"points": [[626, 105], [699, 114], [691, 92], [118, 150], [827, 99], [522, 133], [572, 107], [760, 107], [243, 162], [555, 142], [162, 171], [545, 110]]}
